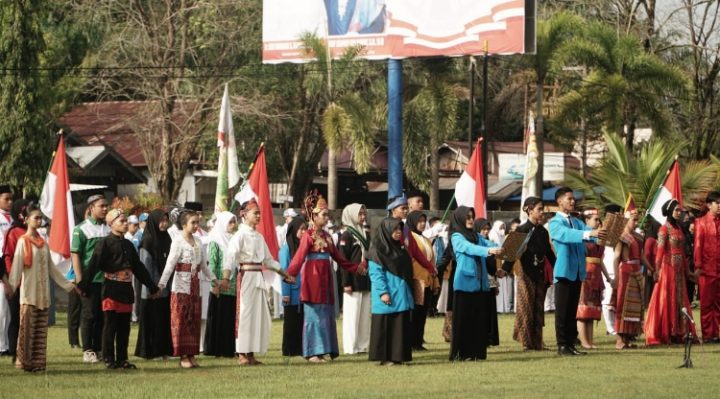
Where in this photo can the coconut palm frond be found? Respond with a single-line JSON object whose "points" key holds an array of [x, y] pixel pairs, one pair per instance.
{"points": [[336, 126]]}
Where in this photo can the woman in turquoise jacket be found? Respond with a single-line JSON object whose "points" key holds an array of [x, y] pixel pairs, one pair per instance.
{"points": [[471, 288], [390, 270]]}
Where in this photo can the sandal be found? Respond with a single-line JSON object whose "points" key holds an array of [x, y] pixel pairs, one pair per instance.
{"points": [[186, 364]]}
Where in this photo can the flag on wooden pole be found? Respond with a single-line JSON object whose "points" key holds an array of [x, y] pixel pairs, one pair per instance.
{"points": [[228, 170], [257, 187], [470, 188], [56, 204], [531, 166]]}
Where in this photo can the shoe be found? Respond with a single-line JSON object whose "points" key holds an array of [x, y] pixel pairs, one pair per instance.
{"points": [[566, 351], [577, 352], [74, 346], [111, 365], [89, 357], [419, 349]]}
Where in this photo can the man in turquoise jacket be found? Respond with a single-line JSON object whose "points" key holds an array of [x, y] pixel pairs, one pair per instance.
{"points": [[568, 235]]}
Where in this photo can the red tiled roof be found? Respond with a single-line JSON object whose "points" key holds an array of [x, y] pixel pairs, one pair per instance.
{"points": [[108, 123]]}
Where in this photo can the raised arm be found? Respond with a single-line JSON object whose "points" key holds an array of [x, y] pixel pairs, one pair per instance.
{"points": [[564, 234]]}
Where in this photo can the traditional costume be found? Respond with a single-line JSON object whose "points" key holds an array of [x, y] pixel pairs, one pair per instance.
{"points": [[115, 257], [707, 261], [10, 307], [222, 308], [471, 307], [85, 236], [185, 261], [246, 256], [629, 305], [591, 292], [293, 316], [505, 297], [423, 283], [665, 322], [532, 282], [391, 273], [354, 243], [154, 339], [31, 270], [316, 291]]}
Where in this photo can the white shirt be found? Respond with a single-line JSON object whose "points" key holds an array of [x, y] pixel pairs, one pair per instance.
{"points": [[5, 224], [248, 246], [182, 252]]}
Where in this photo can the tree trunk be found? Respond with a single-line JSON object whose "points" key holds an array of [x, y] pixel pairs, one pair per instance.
{"points": [[434, 178], [539, 138], [332, 179], [630, 137]]}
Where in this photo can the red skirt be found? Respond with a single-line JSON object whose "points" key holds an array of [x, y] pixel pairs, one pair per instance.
{"points": [[628, 308], [185, 320], [591, 294]]}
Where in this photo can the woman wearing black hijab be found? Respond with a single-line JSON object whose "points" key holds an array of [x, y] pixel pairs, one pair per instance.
{"points": [[293, 317], [482, 227], [154, 338], [472, 287], [391, 273]]}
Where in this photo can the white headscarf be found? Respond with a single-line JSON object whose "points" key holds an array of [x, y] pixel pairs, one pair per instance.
{"points": [[497, 233], [350, 218], [219, 234]]}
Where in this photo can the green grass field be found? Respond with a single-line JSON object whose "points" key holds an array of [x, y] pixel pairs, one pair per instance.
{"points": [[508, 372]]}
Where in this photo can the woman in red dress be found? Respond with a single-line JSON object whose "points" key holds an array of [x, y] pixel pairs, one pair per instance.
{"points": [[628, 274], [591, 294], [665, 324]]}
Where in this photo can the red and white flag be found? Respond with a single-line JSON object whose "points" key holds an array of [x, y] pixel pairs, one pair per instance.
{"points": [[470, 188], [671, 188], [56, 204], [256, 187]]}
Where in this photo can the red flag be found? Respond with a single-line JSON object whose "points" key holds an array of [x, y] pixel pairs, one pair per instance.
{"points": [[257, 187], [671, 189], [470, 188], [56, 204]]}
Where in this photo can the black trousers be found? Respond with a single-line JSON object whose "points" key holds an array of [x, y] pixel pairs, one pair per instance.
{"points": [[14, 327], [73, 318], [91, 319], [292, 330], [418, 319], [115, 336], [567, 296]]}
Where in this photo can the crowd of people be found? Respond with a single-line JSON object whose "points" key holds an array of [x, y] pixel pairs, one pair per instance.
{"points": [[192, 291]]}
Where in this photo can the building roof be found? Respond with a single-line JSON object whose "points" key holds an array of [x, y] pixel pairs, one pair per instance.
{"points": [[110, 123]]}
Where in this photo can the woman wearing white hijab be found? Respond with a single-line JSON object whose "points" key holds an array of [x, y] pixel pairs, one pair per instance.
{"points": [[505, 285], [353, 245], [220, 331]]}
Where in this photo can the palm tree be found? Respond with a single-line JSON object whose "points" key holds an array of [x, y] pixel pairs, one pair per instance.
{"points": [[552, 35], [347, 118], [429, 120], [621, 173], [625, 86]]}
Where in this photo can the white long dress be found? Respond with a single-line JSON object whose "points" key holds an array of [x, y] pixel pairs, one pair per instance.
{"points": [[254, 322]]}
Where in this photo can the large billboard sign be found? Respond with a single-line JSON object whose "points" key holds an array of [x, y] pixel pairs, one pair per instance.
{"points": [[399, 28]]}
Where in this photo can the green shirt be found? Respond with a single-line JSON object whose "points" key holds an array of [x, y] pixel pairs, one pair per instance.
{"points": [[85, 236], [215, 263]]}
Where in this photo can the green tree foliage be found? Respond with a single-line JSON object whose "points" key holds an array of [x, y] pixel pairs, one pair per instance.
{"points": [[40, 43]]}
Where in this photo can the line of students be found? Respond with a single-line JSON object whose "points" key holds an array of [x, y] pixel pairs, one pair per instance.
{"points": [[401, 271]]}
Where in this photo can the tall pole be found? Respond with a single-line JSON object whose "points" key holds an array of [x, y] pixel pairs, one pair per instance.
{"points": [[395, 160], [483, 129], [471, 104]]}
